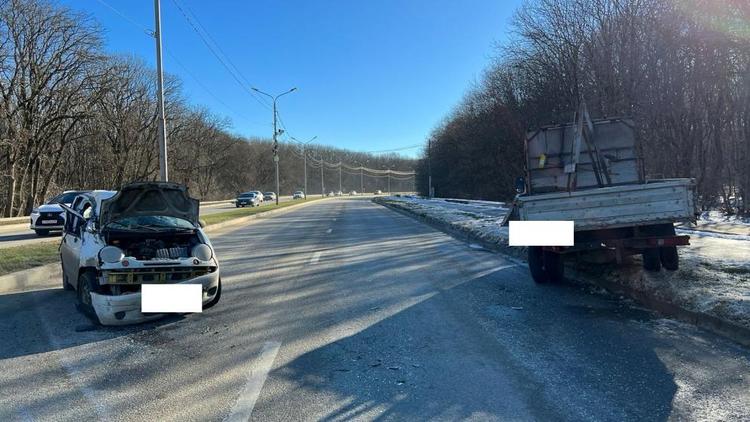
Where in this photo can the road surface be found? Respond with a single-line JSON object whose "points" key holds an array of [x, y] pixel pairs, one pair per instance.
{"points": [[20, 234], [346, 310]]}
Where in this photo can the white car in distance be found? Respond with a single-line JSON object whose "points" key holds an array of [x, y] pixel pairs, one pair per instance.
{"points": [[50, 216]]}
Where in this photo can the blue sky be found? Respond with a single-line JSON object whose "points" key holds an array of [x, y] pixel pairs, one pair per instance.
{"points": [[371, 74]]}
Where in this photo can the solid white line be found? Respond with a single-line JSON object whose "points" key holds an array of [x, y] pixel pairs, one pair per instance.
{"points": [[243, 408], [315, 257], [329, 231]]}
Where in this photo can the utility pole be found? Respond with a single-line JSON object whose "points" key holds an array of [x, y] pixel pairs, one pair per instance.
{"points": [[304, 157], [361, 180], [322, 185], [275, 134], [340, 177], [429, 168], [162, 123]]}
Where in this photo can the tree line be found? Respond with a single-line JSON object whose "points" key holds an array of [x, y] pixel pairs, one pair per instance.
{"points": [[75, 117], [679, 69]]}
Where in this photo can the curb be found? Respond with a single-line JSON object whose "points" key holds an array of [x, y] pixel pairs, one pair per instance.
{"points": [[37, 278], [716, 325], [49, 276]]}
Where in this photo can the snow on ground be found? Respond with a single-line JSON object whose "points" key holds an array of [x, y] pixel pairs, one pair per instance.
{"points": [[714, 274]]}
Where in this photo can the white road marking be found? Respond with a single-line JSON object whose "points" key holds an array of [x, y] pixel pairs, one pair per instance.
{"points": [[243, 408], [315, 257], [329, 231]]}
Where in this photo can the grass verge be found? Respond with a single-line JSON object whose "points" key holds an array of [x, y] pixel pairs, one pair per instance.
{"points": [[221, 217], [27, 256]]}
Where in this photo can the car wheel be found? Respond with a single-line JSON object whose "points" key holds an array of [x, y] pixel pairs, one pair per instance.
{"points": [[86, 286], [216, 298], [42, 232], [554, 266]]}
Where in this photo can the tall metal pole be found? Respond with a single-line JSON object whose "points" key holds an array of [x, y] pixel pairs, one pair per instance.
{"points": [[389, 181], [429, 168], [340, 177], [361, 180], [322, 186], [304, 153], [162, 123], [275, 134], [276, 151]]}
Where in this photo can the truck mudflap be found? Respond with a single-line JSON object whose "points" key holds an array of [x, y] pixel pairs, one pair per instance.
{"points": [[126, 308]]}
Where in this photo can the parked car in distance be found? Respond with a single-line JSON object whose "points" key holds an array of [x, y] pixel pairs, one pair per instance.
{"points": [[354, 192], [331, 193], [50, 216], [147, 233], [298, 195], [339, 193], [248, 199], [378, 192], [269, 196]]}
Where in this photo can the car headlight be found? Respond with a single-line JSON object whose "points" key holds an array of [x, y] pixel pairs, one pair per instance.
{"points": [[202, 252], [35, 211], [111, 254]]}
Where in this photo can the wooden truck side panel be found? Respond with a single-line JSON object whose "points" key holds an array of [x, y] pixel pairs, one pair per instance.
{"points": [[664, 201]]}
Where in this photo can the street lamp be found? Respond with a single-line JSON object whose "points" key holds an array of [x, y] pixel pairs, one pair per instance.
{"points": [[275, 133], [389, 179], [304, 156]]}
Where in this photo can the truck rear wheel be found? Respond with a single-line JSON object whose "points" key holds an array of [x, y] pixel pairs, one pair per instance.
{"points": [[651, 259], [545, 266], [536, 264], [669, 258]]}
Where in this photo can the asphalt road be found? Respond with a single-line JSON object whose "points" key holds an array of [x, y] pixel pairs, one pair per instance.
{"points": [[346, 310], [20, 234]]}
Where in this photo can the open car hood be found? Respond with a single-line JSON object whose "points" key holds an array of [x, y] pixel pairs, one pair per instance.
{"points": [[149, 199]]}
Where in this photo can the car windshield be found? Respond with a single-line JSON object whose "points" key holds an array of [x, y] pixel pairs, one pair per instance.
{"points": [[153, 222], [268, 193], [64, 198], [247, 195]]}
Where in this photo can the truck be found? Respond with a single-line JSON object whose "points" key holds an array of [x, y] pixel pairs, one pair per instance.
{"points": [[591, 172]]}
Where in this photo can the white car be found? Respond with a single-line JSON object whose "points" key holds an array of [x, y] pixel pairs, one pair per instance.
{"points": [[50, 216], [339, 193], [353, 193], [269, 196], [378, 192], [298, 195], [147, 233]]}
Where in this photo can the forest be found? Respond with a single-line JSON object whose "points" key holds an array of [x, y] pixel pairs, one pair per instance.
{"points": [[679, 68]]}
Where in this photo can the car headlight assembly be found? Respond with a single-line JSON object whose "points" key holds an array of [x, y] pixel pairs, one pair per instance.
{"points": [[111, 254], [202, 252]]}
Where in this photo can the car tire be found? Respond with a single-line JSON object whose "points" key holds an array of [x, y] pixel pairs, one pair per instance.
{"points": [[41, 232], [87, 285], [216, 298]]}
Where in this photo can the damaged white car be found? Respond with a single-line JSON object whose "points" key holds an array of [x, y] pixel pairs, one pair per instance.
{"points": [[146, 233]]}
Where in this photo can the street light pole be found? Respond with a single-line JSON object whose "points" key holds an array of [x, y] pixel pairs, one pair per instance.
{"points": [[340, 177], [162, 123], [361, 179], [322, 186], [275, 134]]}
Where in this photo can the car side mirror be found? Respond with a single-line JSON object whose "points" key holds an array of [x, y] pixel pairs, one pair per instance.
{"points": [[520, 184]]}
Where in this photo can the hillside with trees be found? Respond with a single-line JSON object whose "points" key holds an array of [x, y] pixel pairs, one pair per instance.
{"points": [[680, 69]]}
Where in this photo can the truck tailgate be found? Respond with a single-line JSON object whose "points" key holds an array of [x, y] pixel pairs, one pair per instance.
{"points": [[662, 201]]}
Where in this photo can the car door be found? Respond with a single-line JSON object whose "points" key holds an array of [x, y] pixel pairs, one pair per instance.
{"points": [[70, 248]]}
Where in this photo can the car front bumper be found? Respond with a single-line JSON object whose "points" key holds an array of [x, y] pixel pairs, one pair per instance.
{"points": [[126, 308]]}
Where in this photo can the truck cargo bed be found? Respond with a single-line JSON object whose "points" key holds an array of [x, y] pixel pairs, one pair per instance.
{"points": [[655, 202]]}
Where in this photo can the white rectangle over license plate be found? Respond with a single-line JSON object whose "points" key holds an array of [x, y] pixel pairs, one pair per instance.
{"points": [[49, 221], [541, 233], [171, 298]]}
